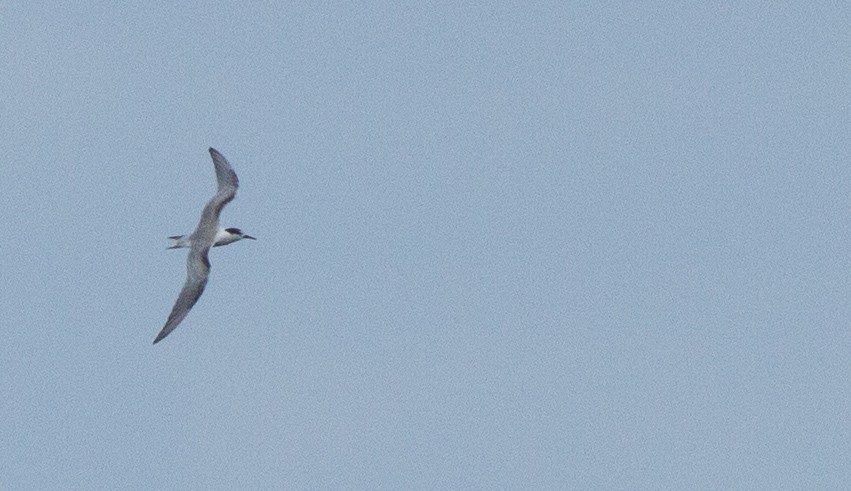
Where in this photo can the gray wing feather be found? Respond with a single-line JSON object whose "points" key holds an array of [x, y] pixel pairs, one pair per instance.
{"points": [[225, 176], [228, 183], [197, 272]]}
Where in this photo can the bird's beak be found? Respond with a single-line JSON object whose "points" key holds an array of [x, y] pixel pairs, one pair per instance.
{"points": [[248, 237]]}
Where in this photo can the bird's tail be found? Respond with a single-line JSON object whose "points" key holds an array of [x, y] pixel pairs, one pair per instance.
{"points": [[178, 241]]}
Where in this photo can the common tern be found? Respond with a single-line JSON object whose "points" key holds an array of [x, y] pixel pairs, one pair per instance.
{"points": [[207, 234]]}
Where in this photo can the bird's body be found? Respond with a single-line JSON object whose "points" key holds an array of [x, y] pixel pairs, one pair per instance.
{"points": [[206, 235], [224, 236]]}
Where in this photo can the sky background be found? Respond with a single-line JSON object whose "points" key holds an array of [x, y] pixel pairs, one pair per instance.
{"points": [[518, 245]]}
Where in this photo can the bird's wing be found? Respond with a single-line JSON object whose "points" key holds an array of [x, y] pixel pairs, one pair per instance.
{"points": [[227, 185], [225, 176], [197, 272]]}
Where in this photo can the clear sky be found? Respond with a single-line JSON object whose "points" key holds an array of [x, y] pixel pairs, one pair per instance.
{"points": [[521, 245]]}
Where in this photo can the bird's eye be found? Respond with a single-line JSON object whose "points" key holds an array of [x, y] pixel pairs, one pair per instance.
{"points": [[234, 231]]}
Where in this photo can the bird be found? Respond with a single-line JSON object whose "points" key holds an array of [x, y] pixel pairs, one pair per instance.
{"points": [[207, 234]]}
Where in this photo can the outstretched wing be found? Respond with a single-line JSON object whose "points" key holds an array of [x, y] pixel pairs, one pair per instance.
{"points": [[197, 272], [227, 185], [225, 176]]}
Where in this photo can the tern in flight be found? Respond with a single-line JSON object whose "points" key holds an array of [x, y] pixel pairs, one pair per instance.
{"points": [[207, 234]]}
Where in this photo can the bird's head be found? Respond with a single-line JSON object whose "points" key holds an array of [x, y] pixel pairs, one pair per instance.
{"points": [[238, 233]]}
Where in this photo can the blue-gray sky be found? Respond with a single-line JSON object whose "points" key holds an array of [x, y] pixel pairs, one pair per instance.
{"points": [[517, 245]]}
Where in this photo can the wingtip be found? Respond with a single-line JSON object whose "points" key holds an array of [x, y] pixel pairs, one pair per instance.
{"points": [[160, 336]]}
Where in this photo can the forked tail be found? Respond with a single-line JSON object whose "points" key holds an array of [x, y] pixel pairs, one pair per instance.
{"points": [[178, 241]]}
